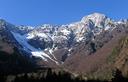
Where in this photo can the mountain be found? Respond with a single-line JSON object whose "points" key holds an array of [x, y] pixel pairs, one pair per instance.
{"points": [[82, 47]]}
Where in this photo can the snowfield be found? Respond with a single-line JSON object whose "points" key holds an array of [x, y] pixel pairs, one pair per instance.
{"points": [[22, 40]]}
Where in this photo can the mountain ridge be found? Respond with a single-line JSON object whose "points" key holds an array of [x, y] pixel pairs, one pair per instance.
{"points": [[78, 47], [51, 38]]}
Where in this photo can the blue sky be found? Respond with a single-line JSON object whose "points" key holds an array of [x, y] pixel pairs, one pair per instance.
{"points": [[36, 12]]}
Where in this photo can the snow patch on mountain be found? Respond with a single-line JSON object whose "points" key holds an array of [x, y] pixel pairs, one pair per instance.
{"points": [[35, 52]]}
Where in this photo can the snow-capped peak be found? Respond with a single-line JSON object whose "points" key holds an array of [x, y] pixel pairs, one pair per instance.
{"points": [[96, 18]]}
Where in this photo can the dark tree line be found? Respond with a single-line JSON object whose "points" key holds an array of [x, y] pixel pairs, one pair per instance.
{"points": [[55, 77]]}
